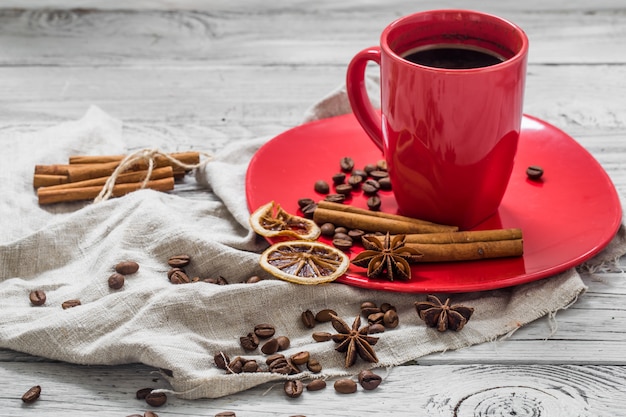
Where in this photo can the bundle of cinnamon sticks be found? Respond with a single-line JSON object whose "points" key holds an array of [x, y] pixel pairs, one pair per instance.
{"points": [[434, 242], [83, 177]]}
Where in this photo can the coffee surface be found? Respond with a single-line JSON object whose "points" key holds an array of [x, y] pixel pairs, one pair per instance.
{"points": [[452, 58]]}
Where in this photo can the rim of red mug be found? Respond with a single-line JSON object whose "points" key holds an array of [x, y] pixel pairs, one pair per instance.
{"points": [[518, 55]]}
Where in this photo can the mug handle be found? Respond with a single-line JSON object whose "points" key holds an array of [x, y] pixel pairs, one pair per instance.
{"points": [[357, 94]]}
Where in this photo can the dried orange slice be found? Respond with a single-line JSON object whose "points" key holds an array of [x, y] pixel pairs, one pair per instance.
{"points": [[270, 220], [304, 262]]}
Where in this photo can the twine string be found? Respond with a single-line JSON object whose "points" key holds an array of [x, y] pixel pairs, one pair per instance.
{"points": [[148, 156]]}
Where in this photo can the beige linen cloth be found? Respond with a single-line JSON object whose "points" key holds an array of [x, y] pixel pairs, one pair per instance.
{"points": [[69, 251]]}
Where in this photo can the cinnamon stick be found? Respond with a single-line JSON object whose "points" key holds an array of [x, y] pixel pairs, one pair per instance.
{"points": [[47, 196], [373, 221], [44, 180], [127, 177], [190, 158]]}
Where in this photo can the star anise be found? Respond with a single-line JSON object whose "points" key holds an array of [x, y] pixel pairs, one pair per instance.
{"points": [[389, 257], [443, 316], [354, 341]]}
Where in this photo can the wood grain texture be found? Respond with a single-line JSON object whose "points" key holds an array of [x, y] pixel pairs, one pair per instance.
{"points": [[209, 73]]}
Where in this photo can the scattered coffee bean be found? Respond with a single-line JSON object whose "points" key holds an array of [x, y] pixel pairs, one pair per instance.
{"points": [[376, 328], [308, 319], [178, 276], [264, 330], [335, 198], [316, 385], [374, 203], [303, 202], [322, 336], [221, 360], [339, 178], [179, 261], [382, 165], [321, 187], [344, 189], [226, 414], [70, 303], [116, 281], [32, 394], [127, 267], [314, 366], [391, 319], [253, 279], [249, 342], [385, 183], [369, 168], [370, 187], [361, 173], [293, 389], [324, 315], [345, 386], [142, 393], [250, 366], [235, 366], [283, 342], [368, 310], [309, 210], [356, 234], [534, 172], [378, 175], [37, 297], [355, 181], [150, 414], [279, 364], [376, 318], [300, 358], [327, 229], [270, 347], [342, 243], [341, 229], [156, 399], [385, 307], [369, 380], [346, 164]]}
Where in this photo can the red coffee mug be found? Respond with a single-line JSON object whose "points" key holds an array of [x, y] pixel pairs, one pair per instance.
{"points": [[449, 122]]}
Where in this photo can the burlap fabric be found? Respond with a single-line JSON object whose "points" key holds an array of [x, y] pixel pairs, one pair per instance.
{"points": [[69, 250]]}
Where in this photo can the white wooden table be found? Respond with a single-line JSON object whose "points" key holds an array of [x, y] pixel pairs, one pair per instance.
{"points": [[253, 67]]}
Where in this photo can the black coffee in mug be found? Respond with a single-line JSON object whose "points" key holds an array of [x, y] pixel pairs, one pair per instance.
{"points": [[452, 57]]}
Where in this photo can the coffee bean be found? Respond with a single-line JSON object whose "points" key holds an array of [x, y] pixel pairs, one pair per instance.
{"points": [[235, 366], [321, 187], [314, 366], [280, 366], [32, 394], [70, 303], [382, 165], [178, 276], [376, 318], [324, 316], [37, 297], [253, 279], [308, 319], [275, 357], [378, 175], [369, 168], [342, 243], [249, 342], [316, 385], [356, 234], [250, 366], [150, 414], [385, 307], [385, 183], [283, 342], [345, 386], [300, 358], [339, 178], [156, 399], [142, 393], [373, 203], [270, 347], [264, 330], [335, 198], [327, 229], [534, 172], [341, 229], [303, 202], [309, 210], [368, 304], [226, 414], [361, 173], [346, 164], [355, 181], [376, 328], [127, 267], [321, 336], [370, 187], [369, 380], [293, 389], [116, 281], [344, 189], [221, 360], [391, 319], [179, 261]]}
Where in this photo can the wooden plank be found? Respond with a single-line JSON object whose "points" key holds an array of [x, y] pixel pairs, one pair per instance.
{"points": [[443, 390]]}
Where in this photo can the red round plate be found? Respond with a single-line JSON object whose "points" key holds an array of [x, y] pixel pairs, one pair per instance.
{"points": [[566, 218]]}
